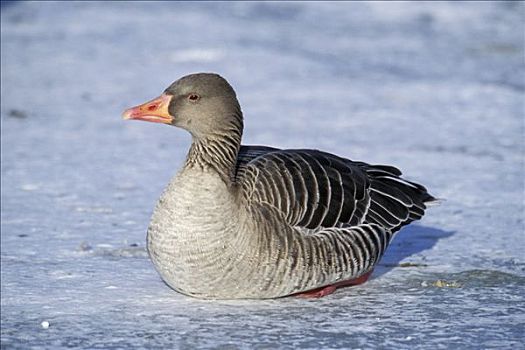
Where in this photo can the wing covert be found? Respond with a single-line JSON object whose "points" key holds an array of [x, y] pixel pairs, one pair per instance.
{"points": [[310, 188]]}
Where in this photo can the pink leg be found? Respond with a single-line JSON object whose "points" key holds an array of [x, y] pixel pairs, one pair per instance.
{"points": [[317, 293], [327, 290]]}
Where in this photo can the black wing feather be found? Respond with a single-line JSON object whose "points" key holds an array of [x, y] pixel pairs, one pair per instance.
{"points": [[314, 189]]}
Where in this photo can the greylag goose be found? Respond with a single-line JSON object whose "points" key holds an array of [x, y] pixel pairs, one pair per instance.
{"points": [[260, 222]]}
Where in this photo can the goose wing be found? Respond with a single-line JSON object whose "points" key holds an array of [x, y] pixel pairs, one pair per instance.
{"points": [[314, 189], [310, 188]]}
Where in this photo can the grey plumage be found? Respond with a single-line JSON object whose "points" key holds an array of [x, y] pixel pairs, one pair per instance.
{"points": [[317, 189], [260, 222]]}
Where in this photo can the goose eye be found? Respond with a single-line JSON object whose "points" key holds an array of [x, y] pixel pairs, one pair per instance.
{"points": [[193, 97]]}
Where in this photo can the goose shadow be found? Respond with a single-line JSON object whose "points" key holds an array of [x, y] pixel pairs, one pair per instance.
{"points": [[409, 241]]}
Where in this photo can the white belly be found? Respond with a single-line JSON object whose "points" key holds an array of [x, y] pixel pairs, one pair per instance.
{"points": [[193, 238]]}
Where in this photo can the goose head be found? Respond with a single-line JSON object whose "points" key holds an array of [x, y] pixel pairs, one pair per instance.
{"points": [[202, 103]]}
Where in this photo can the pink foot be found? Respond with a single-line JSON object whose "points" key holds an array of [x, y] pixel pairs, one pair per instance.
{"points": [[317, 293], [327, 290]]}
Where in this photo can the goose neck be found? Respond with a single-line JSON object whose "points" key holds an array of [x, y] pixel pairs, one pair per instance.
{"points": [[217, 151]]}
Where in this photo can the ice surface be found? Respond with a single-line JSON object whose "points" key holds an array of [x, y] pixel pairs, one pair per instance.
{"points": [[434, 88]]}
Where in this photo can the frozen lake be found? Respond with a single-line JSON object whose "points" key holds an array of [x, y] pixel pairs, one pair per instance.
{"points": [[436, 89]]}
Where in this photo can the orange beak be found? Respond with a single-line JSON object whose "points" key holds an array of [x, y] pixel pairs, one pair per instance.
{"points": [[155, 111]]}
